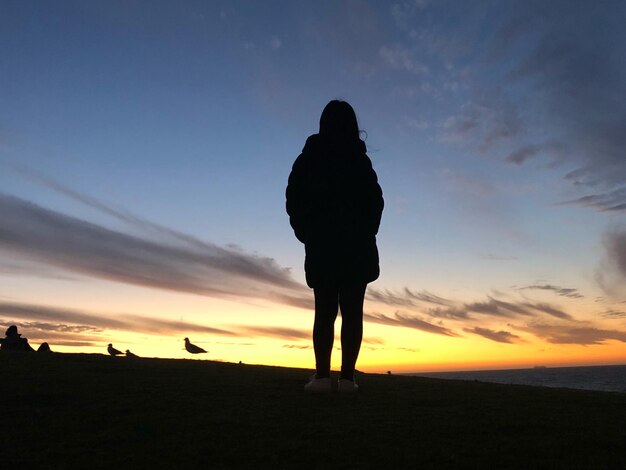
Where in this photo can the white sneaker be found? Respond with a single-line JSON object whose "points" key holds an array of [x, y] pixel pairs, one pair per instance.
{"points": [[316, 385], [347, 386]]}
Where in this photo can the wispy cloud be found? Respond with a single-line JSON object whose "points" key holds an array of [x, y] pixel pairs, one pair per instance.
{"points": [[459, 313], [275, 332], [573, 66], [32, 270], [564, 334], [43, 326], [406, 297], [172, 260], [308, 345], [71, 322], [611, 274], [498, 308], [613, 314], [528, 152], [373, 340], [568, 59], [616, 249], [519, 156], [501, 308], [235, 262], [498, 336], [562, 291], [56, 334], [399, 57], [190, 265], [58, 324], [485, 122], [450, 313], [466, 315], [79, 328], [408, 321], [76, 344], [610, 201]]}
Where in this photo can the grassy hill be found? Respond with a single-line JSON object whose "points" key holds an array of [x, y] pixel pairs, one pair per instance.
{"points": [[92, 411]]}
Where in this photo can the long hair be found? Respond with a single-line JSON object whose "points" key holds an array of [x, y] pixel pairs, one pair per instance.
{"points": [[338, 122]]}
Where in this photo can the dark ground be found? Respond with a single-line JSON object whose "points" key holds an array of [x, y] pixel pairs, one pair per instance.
{"points": [[92, 411]]}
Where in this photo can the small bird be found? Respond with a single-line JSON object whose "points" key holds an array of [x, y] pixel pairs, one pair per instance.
{"points": [[130, 354], [112, 351], [192, 348]]}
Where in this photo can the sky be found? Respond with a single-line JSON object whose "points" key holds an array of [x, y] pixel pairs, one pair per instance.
{"points": [[145, 148]]}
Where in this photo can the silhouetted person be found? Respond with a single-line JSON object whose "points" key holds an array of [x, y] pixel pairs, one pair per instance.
{"points": [[13, 341], [112, 351], [44, 348], [192, 348], [130, 354], [335, 205]]}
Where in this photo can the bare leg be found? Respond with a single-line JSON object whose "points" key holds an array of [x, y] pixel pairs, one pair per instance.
{"points": [[351, 301], [326, 306]]}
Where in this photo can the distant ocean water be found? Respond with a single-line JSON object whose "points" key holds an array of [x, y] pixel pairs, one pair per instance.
{"points": [[603, 378]]}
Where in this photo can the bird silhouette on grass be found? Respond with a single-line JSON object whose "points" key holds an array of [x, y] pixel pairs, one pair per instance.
{"points": [[130, 354], [192, 348], [112, 351]]}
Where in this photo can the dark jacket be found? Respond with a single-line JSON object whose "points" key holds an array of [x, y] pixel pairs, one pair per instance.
{"points": [[335, 204]]}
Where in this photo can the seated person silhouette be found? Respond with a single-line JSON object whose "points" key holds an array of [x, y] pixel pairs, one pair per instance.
{"points": [[13, 341]]}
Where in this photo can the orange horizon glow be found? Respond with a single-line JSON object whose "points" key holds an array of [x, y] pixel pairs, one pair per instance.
{"points": [[400, 368], [399, 349], [271, 352]]}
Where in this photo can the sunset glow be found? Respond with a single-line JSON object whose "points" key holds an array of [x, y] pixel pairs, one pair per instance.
{"points": [[145, 150]]}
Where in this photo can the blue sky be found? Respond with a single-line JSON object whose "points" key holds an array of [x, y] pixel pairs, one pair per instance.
{"points": [[496, 128]]}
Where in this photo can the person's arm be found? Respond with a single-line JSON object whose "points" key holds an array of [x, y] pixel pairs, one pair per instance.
{"points": [[375, 199], [296, 199]]}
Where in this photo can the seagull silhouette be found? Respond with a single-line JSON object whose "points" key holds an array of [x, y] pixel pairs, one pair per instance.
{"points": [[192, 348], [130, 354], [112, 351]]}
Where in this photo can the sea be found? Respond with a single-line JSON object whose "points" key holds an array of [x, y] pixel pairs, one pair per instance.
{"points": [[602, 378]]}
